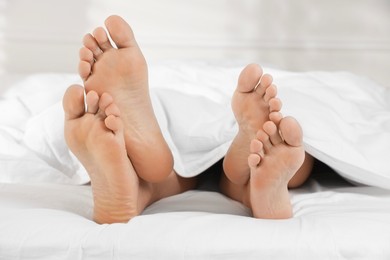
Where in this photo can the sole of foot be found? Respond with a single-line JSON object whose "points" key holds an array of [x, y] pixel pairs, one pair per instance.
{"points": [[276, 155], [121, 71], [96, 136]]}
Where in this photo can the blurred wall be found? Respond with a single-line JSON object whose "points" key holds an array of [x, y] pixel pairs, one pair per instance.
{"points": [[353, 35]]}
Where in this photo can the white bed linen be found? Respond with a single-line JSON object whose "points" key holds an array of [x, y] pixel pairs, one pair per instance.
{"points": [[53, 221], [49, 221], [345, 118]]}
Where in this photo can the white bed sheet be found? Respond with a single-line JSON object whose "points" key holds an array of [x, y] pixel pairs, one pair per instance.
{"points": [[51, 221]]}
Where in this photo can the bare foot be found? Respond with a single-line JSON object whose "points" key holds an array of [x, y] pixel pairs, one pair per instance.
{"points": [[253, 104], [96, 137], [121, 71], [275, 158]]}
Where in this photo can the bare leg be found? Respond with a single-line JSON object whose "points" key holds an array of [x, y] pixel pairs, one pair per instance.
{"points": [[121, 71], [254, 103], [96, 137]]}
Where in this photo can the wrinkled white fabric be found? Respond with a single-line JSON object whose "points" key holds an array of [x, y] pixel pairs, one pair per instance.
{"points": [[49, 221], [345, 118]]}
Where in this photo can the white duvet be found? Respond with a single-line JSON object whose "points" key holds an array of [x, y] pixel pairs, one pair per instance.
{"points": [[345, 118], [346, 124]]}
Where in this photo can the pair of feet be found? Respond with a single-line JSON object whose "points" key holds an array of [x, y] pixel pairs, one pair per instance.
{"points": [[114, 133]]}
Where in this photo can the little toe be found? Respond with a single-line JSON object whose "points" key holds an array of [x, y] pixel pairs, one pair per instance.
{"points": [[254, 160], [73, 102], [272, 131], [291, 131], [256, 146], [86, 54], [85, 69], [249, 78], [120, 32], [90, 42], [102, 39], [92, 100]]}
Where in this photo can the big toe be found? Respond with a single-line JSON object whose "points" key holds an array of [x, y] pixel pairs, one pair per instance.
{"points": [[249, 78], [73, 102], [291, 131], [120, 32]]}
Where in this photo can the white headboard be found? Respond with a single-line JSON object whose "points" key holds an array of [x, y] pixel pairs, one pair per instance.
{"points": [[352, 35]]}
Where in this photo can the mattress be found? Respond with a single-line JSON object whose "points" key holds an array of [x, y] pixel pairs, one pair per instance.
{"points": [[46, 202]]}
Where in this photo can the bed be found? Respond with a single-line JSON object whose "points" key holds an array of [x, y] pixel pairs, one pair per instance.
{"points": [[341, 212]]}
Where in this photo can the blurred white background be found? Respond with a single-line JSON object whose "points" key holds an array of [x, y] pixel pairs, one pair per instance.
{"points": [[351, 35]]}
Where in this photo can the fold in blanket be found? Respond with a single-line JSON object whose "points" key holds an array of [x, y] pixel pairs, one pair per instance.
{"points": [[345, 119]]}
